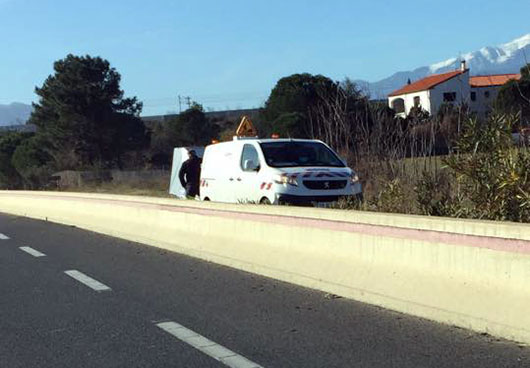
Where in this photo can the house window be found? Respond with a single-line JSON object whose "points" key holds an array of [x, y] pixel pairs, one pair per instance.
{"points": [[473, 96], [449, 96], [416, 101], [487, 94], [398, 105]]}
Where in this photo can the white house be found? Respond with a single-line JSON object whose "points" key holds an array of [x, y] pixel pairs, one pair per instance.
{"points": [[484, 90], [454, 87]]}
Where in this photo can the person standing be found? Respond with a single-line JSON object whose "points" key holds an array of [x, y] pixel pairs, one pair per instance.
{"points": [[190, 174]]}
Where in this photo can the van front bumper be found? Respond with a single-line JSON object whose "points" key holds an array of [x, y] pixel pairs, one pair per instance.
{"points": [[309, 200]]}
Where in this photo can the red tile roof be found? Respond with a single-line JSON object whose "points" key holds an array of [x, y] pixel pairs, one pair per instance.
{"points": [[426, 83], [492, 80]]}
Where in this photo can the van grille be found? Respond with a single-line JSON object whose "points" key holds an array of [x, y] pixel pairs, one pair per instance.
{"points": [[325, 184]]}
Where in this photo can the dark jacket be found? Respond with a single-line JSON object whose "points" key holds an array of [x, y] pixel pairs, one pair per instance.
{"points": [[190, 174]]}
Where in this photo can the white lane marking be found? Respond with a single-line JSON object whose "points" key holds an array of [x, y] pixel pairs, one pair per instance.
{"points": [[4, 237], [208, 347], [33, 252], [88, 281]]}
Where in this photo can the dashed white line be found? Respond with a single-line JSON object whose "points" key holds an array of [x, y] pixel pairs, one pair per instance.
{"points": [[88, 281], [4, 237], [208, 347], [33, 252]]}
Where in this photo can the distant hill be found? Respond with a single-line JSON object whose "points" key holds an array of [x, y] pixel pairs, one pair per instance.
{"points": [[14, 114], [506, 58]]}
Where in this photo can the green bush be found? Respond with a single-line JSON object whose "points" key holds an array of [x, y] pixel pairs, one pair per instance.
{"points": [[9, 177], [433, 192], [32, 163], [492, 175], [391, 198]]}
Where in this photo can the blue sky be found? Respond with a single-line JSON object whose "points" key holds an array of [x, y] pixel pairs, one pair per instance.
{"points": [[229, 54]]}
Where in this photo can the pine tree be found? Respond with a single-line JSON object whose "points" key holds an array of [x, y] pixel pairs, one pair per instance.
{"points": [[82, 114]]}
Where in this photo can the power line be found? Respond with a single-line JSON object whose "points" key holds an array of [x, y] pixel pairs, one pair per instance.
{"points": [[184, 102], [211, 96]]}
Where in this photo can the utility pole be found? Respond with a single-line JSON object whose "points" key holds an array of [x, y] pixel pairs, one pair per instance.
{"points": [[184, 99]]}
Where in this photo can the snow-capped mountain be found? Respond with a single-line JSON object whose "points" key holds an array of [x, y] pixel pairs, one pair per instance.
{"points": [[14, 114], [506, 58]]}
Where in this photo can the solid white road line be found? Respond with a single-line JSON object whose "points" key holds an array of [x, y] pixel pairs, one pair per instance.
{"points": [[33, 252], [208, 347], [88, 281], [3, 237]]}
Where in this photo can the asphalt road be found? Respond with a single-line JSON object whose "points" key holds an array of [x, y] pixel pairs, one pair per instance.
{"points": [[50, 319]]}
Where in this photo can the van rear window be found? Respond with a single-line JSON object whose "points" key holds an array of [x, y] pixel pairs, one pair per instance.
{"points": [[291, 154]]}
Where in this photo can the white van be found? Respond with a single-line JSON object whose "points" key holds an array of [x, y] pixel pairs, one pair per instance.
{"points": [[251, 170]]}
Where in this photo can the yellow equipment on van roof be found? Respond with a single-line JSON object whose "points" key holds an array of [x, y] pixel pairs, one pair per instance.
{"points": [[246, 128]]}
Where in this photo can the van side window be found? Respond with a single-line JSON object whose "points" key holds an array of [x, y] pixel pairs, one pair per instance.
{"points": [[250, 154]]}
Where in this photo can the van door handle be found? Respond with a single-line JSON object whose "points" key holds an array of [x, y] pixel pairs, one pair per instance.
{"points": [[238, 179], [231, 179]]}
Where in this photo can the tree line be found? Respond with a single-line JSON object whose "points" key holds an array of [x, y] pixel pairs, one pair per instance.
{"points": [[85, 122]]}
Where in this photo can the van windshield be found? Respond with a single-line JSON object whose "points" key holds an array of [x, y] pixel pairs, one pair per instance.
{"points": [[290, 154]]}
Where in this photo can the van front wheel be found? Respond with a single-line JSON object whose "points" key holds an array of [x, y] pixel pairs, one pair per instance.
{"points": [[265, 200]]}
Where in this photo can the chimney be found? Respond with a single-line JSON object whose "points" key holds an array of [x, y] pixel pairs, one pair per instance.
{"points": [[463, 66]]}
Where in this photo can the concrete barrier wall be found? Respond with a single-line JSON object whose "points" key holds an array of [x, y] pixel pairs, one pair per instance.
{"points": [[473, 274]]}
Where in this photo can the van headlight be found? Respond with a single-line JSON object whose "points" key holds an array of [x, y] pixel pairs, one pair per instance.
{"points": [[285, 179], [354, 178]]}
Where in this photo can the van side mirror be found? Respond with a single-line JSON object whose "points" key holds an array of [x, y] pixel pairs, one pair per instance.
{"points": [[250, 165]]}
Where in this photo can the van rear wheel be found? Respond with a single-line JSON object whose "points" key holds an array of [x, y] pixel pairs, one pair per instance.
{"points": [[265, 200]]}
